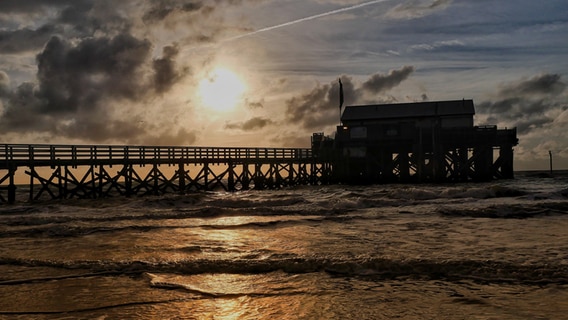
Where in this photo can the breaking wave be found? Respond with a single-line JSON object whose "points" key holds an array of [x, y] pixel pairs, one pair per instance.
{"points": [[377, 268], [509, 211]]}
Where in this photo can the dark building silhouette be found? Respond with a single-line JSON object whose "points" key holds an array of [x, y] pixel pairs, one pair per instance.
{"points": [[425, 141]]}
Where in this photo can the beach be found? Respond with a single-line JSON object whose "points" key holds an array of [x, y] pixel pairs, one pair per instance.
{"points": [[494, 250]]}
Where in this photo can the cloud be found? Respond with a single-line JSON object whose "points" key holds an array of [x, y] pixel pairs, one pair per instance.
{"points": [[37, 21], [28, 25], [290, 140], [78, 84], [161, 10], [319, 108], [527, 104], [166, 73], [99, 64], [379, 83], [544, 84], [255, 123], [31, 6], [74, 76], [199, 19], [437, 45], [417, 8], [4, 83], [23, 40], [254, 104]]}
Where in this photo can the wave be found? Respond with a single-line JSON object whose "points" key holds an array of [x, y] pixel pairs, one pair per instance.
{"points": [[450, 270], [314, 200], [456, 192], [51, 230], [509, 211], [180, 213]]}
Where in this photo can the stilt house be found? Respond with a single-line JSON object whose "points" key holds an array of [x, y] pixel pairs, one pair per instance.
{"points": [[426, 141]]}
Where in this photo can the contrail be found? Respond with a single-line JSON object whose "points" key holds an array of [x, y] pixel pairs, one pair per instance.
{"points": [[317, 16], [286, 24]]}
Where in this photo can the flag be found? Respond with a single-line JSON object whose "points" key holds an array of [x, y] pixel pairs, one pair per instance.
{"points": [[340, 95]]}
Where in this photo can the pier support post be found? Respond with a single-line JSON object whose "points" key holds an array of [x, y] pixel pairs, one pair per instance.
{"points": [[404, 166], [60, 187], [231, 179], [291, 181], [127, 172], [156, 178], [101, 181], [462, 164], [506, 155], [32, 173], [483, 162], [245, 177], [206, 176], [11, 185], [181, 177], [259, 179]]}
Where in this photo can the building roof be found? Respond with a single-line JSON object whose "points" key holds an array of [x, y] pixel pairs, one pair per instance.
{"points": [[408, 110]]}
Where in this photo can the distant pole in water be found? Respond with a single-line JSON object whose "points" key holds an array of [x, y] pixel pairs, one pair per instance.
{"points": [[550, 155]]}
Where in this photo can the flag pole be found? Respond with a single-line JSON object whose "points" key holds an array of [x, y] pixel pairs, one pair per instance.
{"points": [[340, 99]]}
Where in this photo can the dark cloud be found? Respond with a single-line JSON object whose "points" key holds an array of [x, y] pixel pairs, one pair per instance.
{"points": [[527, 125], [65, 19], [78, 19], [78, 84], [502, 105], [544, 84], [32, 6], [526, 103], [75, 76], [160, 10], [23, 40], [320, 107], [379, 82], [249, 125], [166, 73], [89, 17]]}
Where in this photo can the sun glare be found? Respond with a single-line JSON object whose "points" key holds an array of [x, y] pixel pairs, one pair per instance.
{"points": [[221, 90]]}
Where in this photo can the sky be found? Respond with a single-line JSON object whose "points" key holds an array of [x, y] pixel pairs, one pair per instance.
{"points": [[248, 73]]}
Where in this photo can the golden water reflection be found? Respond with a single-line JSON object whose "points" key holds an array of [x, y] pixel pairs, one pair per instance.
{"points": [[224, 296]]}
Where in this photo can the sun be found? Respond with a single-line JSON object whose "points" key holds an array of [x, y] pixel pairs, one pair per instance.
{"points": [[221, 90]]}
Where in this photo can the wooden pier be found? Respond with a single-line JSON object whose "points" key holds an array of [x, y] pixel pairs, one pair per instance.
{"points": [[95, 171]]}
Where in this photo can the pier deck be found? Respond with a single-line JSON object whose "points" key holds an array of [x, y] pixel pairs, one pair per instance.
{"points": [[86, 171]]}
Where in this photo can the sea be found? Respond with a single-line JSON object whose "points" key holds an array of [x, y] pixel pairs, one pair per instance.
{"points": [[493, 250]]}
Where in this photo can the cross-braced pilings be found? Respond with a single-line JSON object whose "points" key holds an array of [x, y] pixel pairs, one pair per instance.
{"points": [[67, 171], [438, 155]]}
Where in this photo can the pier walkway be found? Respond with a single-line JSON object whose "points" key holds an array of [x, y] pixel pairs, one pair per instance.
{"points": [[88, 171]]}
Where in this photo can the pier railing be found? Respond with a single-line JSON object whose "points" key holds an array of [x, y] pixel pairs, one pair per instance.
{"points": [[37, 154], [86, 171]]}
